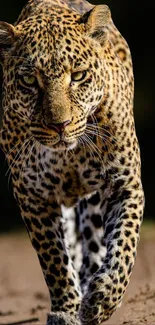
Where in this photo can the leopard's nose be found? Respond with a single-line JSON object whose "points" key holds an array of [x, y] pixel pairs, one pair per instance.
{"points": [[58, 127]]}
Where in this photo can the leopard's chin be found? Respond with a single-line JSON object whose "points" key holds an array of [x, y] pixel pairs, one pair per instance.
{"points": [[61, 145]]}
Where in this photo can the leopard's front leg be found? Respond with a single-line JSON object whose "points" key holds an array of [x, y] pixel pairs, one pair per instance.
{"points": [[124, 210], [45, 227]]}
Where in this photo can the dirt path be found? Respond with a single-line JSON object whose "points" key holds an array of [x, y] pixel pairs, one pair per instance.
{"points": [[23, 293]]}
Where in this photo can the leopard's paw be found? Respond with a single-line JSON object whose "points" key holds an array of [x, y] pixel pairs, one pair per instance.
{"points": [[99, 303], [62, 318]]}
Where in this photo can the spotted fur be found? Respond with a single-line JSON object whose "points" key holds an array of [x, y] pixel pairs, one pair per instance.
{"points": [[69, 137]]}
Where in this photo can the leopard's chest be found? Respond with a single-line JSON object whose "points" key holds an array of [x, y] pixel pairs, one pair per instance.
{"points": [[68, 178], [73, 180], [78, 182]]}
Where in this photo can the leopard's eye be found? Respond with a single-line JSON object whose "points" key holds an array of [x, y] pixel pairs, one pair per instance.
{"points": [[79, 75], [28, 81]]}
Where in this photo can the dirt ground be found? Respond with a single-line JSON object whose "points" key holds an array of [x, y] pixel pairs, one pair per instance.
{"points": [[24, 296]]}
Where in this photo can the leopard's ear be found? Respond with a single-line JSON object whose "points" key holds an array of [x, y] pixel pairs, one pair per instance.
{"points": [[96, 21], [7, 37]]}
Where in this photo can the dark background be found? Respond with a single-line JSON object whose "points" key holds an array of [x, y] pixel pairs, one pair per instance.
{"points": [[135, 19]]}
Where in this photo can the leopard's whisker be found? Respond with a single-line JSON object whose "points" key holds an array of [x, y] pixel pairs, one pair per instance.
{"points": [[41, 159], [94, 147], [81, 141], [96, 150], [16, 159], [36, 145], [86, 141], [24, 161], [101, 128], [96, 134], [17, 155], [94, 119], [12, 149], [105, 133]]}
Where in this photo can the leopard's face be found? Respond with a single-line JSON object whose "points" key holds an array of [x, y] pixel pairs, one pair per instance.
{"points": [[54, 78]]}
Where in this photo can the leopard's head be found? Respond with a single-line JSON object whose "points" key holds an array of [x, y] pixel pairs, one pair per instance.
{"points": [[54, 78]]}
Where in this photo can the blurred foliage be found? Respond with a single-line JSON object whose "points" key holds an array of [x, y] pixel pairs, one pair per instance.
{"points": [[135, 20]]}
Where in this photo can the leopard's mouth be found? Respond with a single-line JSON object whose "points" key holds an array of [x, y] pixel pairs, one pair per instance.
{"points": [[53, 140]]}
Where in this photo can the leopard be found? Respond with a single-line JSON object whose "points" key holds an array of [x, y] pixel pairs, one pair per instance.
{"points": [[69, 137]]}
